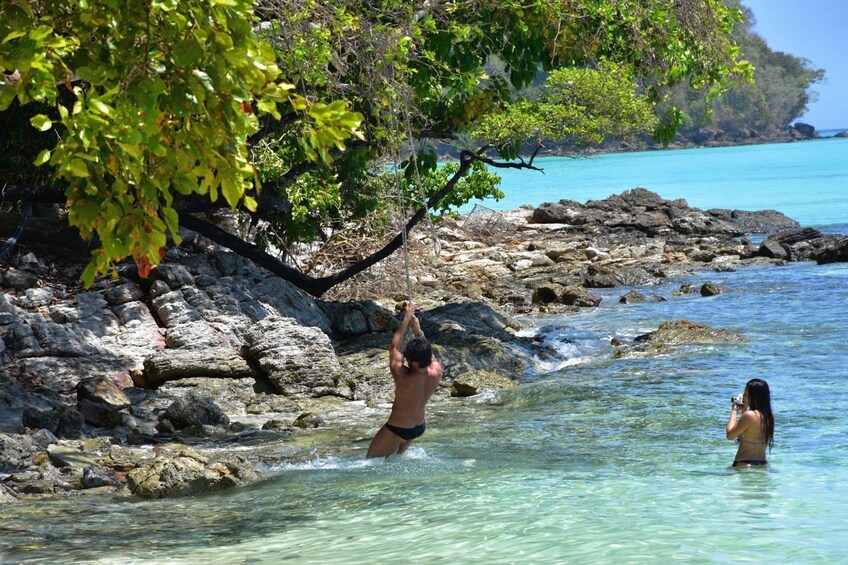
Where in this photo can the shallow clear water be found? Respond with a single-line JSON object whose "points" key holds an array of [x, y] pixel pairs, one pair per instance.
{"points": [[596, 461]]}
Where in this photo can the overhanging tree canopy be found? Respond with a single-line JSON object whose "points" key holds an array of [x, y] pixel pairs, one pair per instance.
{"points": [[169, 93]]}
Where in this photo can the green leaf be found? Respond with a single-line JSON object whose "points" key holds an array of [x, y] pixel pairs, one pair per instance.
{"points": [[42, 158], [232, 191], [172, 219], [204, 79], [40, 33], [41, 122], [100, 107], [14, 35], [79, 168]]}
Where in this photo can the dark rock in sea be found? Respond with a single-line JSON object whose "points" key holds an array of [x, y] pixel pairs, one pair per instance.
{"points": [[799, 245], [194, 410], [308, 420], [835, 252], [710, 289], [761, 221], [633, 297], [773, 249], [636, 297], [647, 212], [277, 426], [679, 332], [806, 130]]}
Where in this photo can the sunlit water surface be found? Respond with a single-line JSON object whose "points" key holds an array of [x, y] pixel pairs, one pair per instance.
{"points": [[596, 461]]}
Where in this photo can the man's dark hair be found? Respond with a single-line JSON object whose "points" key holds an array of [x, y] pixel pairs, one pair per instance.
{"points": [[420, 351]]}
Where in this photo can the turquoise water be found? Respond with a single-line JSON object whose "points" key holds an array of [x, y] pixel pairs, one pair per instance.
{"points": [[595, 461], [808, 181]]}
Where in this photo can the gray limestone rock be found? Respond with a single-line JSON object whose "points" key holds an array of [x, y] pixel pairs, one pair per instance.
{"points": [[15, 451], [296, 359], [175, 364]]}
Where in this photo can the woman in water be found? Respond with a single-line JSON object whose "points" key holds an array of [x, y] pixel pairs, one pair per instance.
{"points": [[754, 429]]}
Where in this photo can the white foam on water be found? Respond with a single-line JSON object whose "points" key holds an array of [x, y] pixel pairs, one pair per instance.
{"points": [[331, 462], [322, 464]]}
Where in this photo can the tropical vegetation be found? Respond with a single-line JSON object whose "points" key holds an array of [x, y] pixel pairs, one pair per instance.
{"points": [[313, 119]]}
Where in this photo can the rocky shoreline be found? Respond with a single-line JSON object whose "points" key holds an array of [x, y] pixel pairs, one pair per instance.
{"points": [[211, 370]]}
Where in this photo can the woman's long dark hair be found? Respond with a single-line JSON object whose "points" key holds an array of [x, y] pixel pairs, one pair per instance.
{"points": [[759, 398]]}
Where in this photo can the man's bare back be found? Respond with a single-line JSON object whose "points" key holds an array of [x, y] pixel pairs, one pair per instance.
{"points": [[414, 385]]}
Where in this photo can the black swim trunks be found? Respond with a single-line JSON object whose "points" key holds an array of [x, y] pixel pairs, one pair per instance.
{"points": [[406, 433], [742, 462]]}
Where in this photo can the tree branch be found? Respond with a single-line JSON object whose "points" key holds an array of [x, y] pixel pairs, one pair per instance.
{"points": [[312, 285]]}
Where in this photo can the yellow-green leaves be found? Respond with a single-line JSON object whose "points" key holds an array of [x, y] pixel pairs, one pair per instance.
{"points": [[43, 157], [162, 98], [581, 106], [41, 122], [333, 123]]}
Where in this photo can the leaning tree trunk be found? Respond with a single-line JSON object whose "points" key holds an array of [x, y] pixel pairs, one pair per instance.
{"points": [[317, 286]]}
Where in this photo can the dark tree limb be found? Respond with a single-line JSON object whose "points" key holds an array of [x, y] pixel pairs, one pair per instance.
{"points": [[317, 286]]}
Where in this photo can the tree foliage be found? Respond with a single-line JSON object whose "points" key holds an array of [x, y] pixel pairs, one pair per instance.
{"points": [[780, 93], [172, 93], [159, 102], [579, 106], [419, 72]]}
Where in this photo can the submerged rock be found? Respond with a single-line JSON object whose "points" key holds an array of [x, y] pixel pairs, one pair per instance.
{"points": [[680, 332], [476, 382], [186, 474]]}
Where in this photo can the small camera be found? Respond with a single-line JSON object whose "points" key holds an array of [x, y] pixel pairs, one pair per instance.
{"points": [[737, 399]]}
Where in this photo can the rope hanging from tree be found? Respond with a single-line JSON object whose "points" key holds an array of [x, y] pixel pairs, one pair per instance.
{"points": [[436, 245], [404, 235]]}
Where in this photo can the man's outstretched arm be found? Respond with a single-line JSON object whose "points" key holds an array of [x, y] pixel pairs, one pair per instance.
{"points": [[395, 354]]}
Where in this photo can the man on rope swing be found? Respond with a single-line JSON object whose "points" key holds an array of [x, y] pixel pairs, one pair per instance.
{"points": [[414, 385]]}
